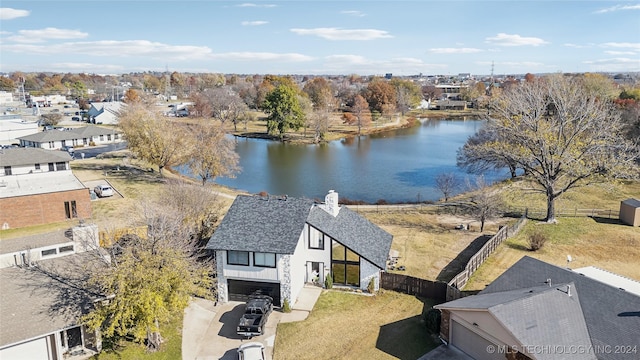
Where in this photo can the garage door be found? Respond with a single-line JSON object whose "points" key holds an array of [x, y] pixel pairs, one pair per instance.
{"points": [[240, 290], [472, 344]]}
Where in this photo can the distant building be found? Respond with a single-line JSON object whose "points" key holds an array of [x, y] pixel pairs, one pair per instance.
{"points": [[77, 137], [38, 187], [105, 112], [14, 126]]}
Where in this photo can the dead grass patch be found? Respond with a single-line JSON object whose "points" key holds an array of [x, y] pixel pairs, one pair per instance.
{"points": [[343, 326]]}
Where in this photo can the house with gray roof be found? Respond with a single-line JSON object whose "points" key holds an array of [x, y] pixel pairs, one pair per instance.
{"points": [[43, 293], [536, 310], [276, 244], [105, 112], [77, 137]]}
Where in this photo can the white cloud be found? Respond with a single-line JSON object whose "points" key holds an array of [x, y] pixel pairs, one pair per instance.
{"points": [[455, 50], [344, 34], [254, 23], [35, 36], [635, 46], [110, 48], [615, 64], [612, 52], [503, 39], [355, 13], [618, 8], [10, 13], [256, 5], [261, 56]]}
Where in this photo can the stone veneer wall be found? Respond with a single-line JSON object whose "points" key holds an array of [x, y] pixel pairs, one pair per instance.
{"points": [[284, 265], [223, 294]]}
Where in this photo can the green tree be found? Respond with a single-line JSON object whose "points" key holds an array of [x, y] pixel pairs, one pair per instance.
{"points": [[283, 109], [561, 133], [152, 137], [211, 153], [408, 94], [150, 278]]}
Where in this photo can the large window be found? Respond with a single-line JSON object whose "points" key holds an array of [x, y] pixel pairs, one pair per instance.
{"points": [[316, 239], [345, 265], [238, 257], [7, 170], [264, 259]]}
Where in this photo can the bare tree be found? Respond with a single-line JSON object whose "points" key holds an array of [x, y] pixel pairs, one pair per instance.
{"points": [[211, 153], [485, 202], [561, 134], [447, 183]]}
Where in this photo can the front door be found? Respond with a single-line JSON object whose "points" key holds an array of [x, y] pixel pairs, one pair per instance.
{"points": [[315, 272]]}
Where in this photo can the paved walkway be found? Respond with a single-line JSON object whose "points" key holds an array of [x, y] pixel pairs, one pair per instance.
{"points": [[209, 330]]}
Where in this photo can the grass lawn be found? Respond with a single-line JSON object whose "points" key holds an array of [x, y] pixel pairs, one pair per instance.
{"points": [[352, 326], [428, 245], [590, 242], [171, 348]]}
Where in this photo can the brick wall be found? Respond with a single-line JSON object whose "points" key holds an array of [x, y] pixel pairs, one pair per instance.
{"points": [[21, 211]]}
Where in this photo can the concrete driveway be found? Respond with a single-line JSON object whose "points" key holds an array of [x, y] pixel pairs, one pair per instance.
{"points": [[209, 330]]}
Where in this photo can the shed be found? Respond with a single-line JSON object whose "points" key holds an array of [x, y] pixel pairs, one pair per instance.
{"points": [[630, 212]]}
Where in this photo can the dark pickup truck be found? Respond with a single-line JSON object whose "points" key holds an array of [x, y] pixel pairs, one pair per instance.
{"points": [[256, 313]]}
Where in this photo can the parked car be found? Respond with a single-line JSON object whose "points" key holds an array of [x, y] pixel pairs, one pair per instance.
{"points": [[68, 149], [75, 118], [251, 351], [103, 190], [256, 313]]}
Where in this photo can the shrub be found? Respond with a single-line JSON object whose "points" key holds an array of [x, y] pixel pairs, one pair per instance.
{"points": [[328, 282], [371, 287], [285, 306], [432, 320], [536, 241]]}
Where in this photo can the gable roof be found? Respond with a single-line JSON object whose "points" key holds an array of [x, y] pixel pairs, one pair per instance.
{"points": [[35, 302], [274, 224], [354, 232], [74, 133], [538, 315], [612, 315], [31, 156], [262, 224]]}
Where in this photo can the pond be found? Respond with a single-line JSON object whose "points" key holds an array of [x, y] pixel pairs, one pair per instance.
{"points": [[395, 166]]}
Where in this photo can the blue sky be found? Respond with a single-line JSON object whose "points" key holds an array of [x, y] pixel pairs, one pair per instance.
{"points": [[320, 37]]}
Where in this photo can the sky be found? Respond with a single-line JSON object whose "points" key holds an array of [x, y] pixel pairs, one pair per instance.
{"points": [[325, 37]]}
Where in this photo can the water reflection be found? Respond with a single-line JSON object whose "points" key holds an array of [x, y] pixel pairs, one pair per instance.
{"points": [[397, 166]]}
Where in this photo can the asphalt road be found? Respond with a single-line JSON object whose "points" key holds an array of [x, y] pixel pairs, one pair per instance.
{"points": [[93, 151]]}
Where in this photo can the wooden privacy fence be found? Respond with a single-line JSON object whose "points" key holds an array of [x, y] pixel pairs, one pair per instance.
{"points": [[460, 280], [436, 290]]}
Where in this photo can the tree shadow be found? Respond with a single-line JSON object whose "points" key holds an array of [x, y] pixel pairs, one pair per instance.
{"points": [[407, 338], [229, 322], [455, 266]]}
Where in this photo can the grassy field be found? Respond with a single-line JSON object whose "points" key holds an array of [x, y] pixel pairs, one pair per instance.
{"points": [[352, 326], [590, 241]]}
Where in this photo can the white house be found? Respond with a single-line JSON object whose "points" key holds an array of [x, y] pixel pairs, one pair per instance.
{"points": [[77, 137], [105, 112], [39, 312], [276, 244]]}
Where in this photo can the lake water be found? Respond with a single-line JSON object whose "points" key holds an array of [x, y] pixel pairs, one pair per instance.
{"points": [[397, 166]]}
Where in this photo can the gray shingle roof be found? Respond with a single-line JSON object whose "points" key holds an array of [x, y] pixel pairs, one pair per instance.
{"points": [[75, 133], [34, 302], [540, 315], [30, 156], [612, 315], [273, 224], [262, 224], [354, 232]]}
